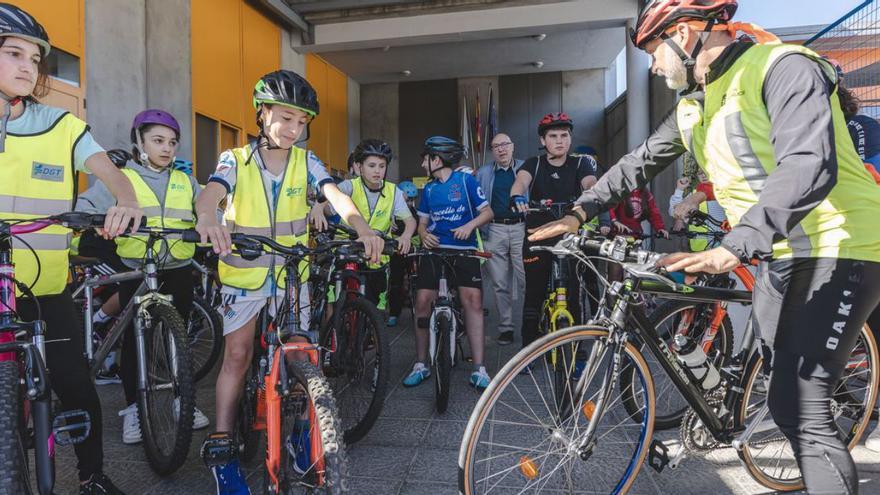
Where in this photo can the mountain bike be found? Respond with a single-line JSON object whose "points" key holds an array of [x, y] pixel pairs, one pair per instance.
{"points": [[520, 439], [444, 322], [26, 415], [204, 325], [166, 385]]}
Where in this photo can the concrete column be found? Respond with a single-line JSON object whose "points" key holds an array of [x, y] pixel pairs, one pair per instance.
{"points": [[380, 117], [638, 107], [168, 65], [115, 68], [290, 58], [583, 98]]}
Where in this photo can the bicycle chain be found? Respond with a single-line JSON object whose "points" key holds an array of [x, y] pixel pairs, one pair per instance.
{"points": [[695, 437]]}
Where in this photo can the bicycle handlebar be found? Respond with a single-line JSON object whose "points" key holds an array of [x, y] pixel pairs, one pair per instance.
{"points": [[464, 253]]}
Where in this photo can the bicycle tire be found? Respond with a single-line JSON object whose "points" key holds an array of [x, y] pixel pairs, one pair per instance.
{"points": [[206, 344], [246, 437], [484, 413], [13, 468], [668, 415], [851, 434], [167, 332], [360, 384], [442, 362], [328, 430]]}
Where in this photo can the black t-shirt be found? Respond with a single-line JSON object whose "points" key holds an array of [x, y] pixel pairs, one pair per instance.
{"points": [[865, 133], [560, 184]]}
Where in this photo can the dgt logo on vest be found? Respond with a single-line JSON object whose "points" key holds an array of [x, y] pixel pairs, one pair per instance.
{"points": [[41, 171], [293, 191]]}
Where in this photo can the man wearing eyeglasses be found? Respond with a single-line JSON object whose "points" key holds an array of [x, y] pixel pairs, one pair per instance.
{"points": [[503, 237]]}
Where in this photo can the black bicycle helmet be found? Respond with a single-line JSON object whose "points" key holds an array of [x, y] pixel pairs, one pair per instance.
{"points": [[18, 23], [286, 88], [372, 147], [450, 151]]}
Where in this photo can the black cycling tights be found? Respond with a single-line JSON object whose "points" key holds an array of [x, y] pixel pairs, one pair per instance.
{"points": [[69, 372], [809, 313]]}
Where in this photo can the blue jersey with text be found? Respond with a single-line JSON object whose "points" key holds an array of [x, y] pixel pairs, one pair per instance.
{"points": [[451, 204]]}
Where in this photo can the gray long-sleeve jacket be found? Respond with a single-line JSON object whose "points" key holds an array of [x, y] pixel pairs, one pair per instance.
{"points": [[797, 96]]}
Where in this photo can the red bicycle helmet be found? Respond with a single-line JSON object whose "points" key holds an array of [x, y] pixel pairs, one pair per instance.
{"points": [[659, 15], [554, 120]]}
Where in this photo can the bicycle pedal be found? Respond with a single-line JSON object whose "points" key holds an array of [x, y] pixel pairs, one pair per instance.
{"points": [[67, 424], [658, 456]]}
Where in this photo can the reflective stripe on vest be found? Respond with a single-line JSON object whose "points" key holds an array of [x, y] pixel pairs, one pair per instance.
{"points": [[379, 218], [730, 137], [38, 180], [176, 213], [249, 213]]}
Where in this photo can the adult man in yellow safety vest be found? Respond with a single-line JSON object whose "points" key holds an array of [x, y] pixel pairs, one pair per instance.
{"points": [[768, 130]]}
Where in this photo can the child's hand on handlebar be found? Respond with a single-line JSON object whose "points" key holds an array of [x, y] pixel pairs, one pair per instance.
{"points": [[373, 245], [119, 217], [211, 231]]}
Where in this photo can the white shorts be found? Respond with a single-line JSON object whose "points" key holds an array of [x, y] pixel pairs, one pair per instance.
{"points": [[238, 310]]}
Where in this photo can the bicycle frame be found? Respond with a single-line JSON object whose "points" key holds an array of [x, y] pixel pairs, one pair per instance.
{"points": [[444, 304]]}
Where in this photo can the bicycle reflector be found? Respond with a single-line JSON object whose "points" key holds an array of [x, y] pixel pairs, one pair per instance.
{"points": [[528, 467], [589, 409]]}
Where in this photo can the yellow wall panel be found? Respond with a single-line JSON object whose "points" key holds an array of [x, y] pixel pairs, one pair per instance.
{"points": [[216, 59], [319, 130], [261, 49], [63, 19], [329, 132]]}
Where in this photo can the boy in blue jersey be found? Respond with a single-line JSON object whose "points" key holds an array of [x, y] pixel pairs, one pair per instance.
{"points": [[451, 210]]}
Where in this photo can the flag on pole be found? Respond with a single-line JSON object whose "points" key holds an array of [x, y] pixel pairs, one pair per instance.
{"points": [[478, 132], [465, 131], [491, 124]]}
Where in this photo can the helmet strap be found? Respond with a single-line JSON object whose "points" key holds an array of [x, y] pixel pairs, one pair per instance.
{"points": [[690, 60]]}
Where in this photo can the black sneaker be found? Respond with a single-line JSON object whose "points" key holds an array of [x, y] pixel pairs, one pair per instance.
{"points": [[505, 338], [99, 484]]}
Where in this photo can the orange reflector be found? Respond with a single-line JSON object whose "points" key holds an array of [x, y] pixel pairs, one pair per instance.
{"points": [[528, 467], [588, 409]]}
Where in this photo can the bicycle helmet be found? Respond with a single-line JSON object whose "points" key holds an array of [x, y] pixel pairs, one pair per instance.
{"points": [[18, 23], [372, 147], [286, 88], [153, 117], [119, 157], [184, 166], [553, 121], [450, 151], [408, 189]]}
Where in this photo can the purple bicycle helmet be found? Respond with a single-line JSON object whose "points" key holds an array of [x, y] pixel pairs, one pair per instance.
{"points": [[151, 117]]}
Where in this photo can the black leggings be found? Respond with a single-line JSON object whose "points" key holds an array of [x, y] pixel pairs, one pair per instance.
{"points": [[178, 283], [808, 313], [69, 372], [539, 267]]}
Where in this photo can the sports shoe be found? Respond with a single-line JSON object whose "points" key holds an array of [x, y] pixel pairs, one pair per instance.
{"points": [[299, 446], [505, 338], [873, 441], [199, 419], [131, 425], [418, 374], [480, 379], [392, 321], [108, 377], [99, 484], [230, 480]]}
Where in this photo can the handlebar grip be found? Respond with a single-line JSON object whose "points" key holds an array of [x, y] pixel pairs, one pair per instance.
{"points": [[191, 236]]}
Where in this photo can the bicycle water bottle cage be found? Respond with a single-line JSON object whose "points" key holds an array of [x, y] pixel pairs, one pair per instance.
{"points": [[218, 449], [71, 427]]}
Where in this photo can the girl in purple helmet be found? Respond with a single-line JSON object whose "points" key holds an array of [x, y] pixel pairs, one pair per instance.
{"points": [[155, 135]]}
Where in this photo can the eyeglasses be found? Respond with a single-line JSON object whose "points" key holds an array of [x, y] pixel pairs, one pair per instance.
{"points": [[501, 145]]}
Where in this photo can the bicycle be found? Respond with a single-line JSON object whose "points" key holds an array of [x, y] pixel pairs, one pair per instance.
{"points": [[357, 355], [444, 323], [204, 325], [166, 385], [280, 389], [727, 407], [26, 415]]}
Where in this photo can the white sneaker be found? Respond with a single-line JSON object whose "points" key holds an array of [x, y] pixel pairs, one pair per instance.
{"points": [[873, 441], [131, 425], [200, 421]]}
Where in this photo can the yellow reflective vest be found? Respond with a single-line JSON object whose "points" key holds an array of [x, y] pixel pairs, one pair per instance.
{"points": [[175, 213], [379, 218], [729, 134], [39, 180], [250, 213]]}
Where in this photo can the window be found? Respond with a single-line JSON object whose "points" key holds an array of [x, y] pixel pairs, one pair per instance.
{"points": [[63, 66]]}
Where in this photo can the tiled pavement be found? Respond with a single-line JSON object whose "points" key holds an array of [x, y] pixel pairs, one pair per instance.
{"points": [[411, 450]]}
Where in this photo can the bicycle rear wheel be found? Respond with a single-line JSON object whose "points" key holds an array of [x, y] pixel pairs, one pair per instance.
{"points": [[442, 361], [767, 454], [359, 379], [204, 327], [166, 406], [13, 467], [328, 471], [518, 441]]}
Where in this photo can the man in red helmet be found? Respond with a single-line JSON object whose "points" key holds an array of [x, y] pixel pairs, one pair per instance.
{"points": [[765, 124], [559, 178]]}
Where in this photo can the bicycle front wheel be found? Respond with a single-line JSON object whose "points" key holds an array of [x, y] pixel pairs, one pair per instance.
{"points": [[767, 454], [165, 407], [442, 361], [519, 441], [204, 327], [13, 467]]}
